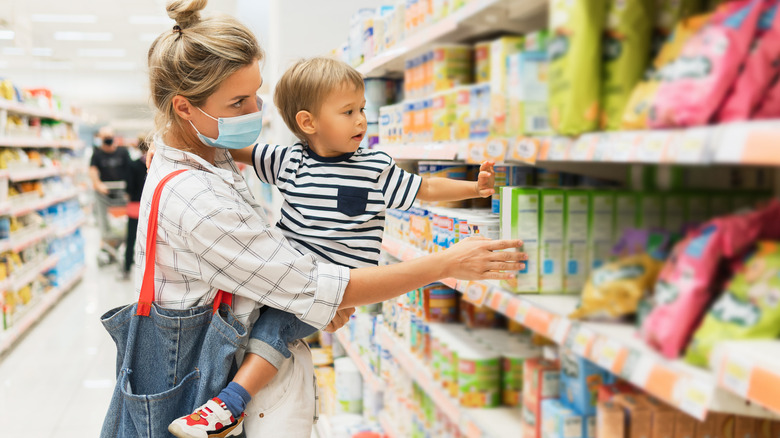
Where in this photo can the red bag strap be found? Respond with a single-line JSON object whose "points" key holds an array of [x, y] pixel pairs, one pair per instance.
{"points": [[147, 285]]}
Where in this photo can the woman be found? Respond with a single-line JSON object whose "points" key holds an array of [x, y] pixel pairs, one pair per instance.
{"points": [[212, 234]]}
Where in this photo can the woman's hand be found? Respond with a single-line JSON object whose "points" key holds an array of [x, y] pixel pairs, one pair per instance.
{"points": [[340, 320], [478, 258]]}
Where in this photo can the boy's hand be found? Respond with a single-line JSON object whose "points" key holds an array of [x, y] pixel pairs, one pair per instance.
{"points": [[486, 180]]}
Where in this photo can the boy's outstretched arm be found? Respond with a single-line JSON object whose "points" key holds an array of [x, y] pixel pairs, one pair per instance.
{"points": [[444, 189], [243, 155]]}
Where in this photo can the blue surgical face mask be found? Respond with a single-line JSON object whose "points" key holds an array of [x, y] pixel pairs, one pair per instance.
{"points": [[235, 132]]}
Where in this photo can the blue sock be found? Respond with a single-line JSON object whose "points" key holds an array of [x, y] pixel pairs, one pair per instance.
{"points": [[235, 398]]}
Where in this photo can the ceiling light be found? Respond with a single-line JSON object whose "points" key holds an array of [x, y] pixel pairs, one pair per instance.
{"points": [[41, 51], [62, 18], [149, 19], [101, 53], [52, 65], [6, 34], [83, 36], [115, 66], [13, 51]]}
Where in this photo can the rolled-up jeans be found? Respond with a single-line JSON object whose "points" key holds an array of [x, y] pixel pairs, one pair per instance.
{"points": [[273, 331]]}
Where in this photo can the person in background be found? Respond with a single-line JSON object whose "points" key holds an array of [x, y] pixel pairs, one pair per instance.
{"points": [[135, 178], [108, 164]]}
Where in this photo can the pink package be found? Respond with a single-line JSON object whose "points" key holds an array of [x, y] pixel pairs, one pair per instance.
{"points": [[695, 84], [769, 108], [696, 272], [761, 68]]}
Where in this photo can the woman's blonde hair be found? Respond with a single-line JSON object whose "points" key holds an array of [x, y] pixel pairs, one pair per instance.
{"points": [[195, 57], [305, 85]]}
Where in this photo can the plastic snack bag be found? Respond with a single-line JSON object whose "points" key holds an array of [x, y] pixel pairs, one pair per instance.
{"points": [[575, 68], [693, 86], [627, 41], [638, 107], [748, 309], [770, 107], [697, 270], [761, 68], [613, 291]]}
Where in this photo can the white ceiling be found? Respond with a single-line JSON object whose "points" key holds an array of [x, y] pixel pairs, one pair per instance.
{"points": [[106, 76]]}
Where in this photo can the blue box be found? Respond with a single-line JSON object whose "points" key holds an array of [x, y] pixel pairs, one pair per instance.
{"points": [[580, 380], [559, 421]]}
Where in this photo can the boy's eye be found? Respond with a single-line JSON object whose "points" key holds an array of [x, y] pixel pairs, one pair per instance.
{"points": [[362, 110], [349, 113]]}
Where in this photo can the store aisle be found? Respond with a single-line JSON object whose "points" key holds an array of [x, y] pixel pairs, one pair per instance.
{"points": [[57, 381]]}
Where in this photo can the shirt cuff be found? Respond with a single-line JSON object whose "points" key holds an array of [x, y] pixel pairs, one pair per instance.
{"points": [[332, 281]]}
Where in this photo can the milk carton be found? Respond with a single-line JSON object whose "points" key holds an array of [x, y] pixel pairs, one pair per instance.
{"points": [[552, 233], [575, 248], [602, 227], [520, 220]]}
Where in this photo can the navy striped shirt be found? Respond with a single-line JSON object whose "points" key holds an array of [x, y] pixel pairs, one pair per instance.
{"points": [[334, 207]]}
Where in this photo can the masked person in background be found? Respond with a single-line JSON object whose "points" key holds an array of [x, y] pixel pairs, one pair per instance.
{"points": [[135, 178], [108, 165]]}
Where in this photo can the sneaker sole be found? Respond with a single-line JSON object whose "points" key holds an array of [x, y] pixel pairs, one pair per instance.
{"points": [[234, 430]]}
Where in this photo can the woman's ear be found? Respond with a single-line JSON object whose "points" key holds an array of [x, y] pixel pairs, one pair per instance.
{"points": [[183, 107], [306, 122]]}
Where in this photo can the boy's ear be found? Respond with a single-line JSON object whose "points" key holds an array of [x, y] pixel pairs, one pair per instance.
{"points": [[306, 122]]}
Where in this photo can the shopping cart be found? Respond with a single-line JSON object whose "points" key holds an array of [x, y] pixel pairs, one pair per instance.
{"points": [[111, 210]]}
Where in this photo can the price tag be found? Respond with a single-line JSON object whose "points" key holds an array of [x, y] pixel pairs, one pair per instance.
{"points": [[561, 328], [559, 148], [498, 302], [652, 146], [475, 152], [476, 293], [526, 150], [442, 151], [641, 369], [623, 147], [584, 148], [693, 396], [735, 374], [690, 147], [513, 308], [582, 341], [496, 150], [609, 354]]}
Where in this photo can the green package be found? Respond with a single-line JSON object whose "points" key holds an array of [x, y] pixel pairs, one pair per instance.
{"points": [[602, 228], [627, 43], [575, 73], [748, 309]]}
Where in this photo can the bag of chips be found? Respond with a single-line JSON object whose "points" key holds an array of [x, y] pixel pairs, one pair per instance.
{"points": [[627, 43], [694, 85], [696, 272], [748, 309], [761, 68], [638, 108], [575, 76], [613, 291]]}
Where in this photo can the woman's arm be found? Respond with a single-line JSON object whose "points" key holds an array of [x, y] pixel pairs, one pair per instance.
{"points": [[444, 189], [472, 259]]}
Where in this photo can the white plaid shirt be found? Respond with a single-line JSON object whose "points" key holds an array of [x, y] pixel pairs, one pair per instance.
{"points": [[213, 235]]}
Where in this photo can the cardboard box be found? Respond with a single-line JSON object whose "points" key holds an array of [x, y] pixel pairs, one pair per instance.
{"points": [[519, 213], [675, 212], [684, 426], [745, 427], [609, 391], [651, 211], [541, 380], [639, 416], [532, 420], [611, 420], [626, 211], [527, 109], [559, 421], [590, 427], [500, 50], [482, 62], [602, 227], [718, 425], [580, 380], [664, 417], [551, 240], [575, 247]]}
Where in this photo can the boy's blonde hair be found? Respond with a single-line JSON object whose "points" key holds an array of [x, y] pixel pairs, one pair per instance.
{"points": [[195, 57], [305, 85]]}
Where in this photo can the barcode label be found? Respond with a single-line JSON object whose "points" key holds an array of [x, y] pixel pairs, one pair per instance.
{"points": [[538, 123]]}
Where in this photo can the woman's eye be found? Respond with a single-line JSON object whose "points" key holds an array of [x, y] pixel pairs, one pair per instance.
{"points": [[238, 104]]}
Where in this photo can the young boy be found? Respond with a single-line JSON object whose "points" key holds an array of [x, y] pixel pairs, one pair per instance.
{"points": [[335, 197]]}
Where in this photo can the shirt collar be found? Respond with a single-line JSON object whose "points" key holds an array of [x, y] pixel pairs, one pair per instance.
{"points": [[224, 166]]}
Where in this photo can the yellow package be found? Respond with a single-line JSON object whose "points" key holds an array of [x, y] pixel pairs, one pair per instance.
{"points": [[614, 290], [638, 108]]}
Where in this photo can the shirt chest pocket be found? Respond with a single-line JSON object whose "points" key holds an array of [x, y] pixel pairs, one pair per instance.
{"points": [[352, 201]]}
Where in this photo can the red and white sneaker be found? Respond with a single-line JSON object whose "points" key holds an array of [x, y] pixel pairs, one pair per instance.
{"points": [[212, 420]]}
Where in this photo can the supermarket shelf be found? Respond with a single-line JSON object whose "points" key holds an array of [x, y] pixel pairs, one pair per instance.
{"points": [[27, 237], [25, 110], [744, 143], [750, 369], [18, 282], [47, 202], [70, 229], [369, 377], [5, 208], [10, 336], [457, 27], [387, 426], [473, 423], [32, 142], [33, 174], [614, 347]]}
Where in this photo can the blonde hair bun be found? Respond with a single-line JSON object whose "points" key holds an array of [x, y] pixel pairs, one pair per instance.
{"points": [[185, 12]]}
